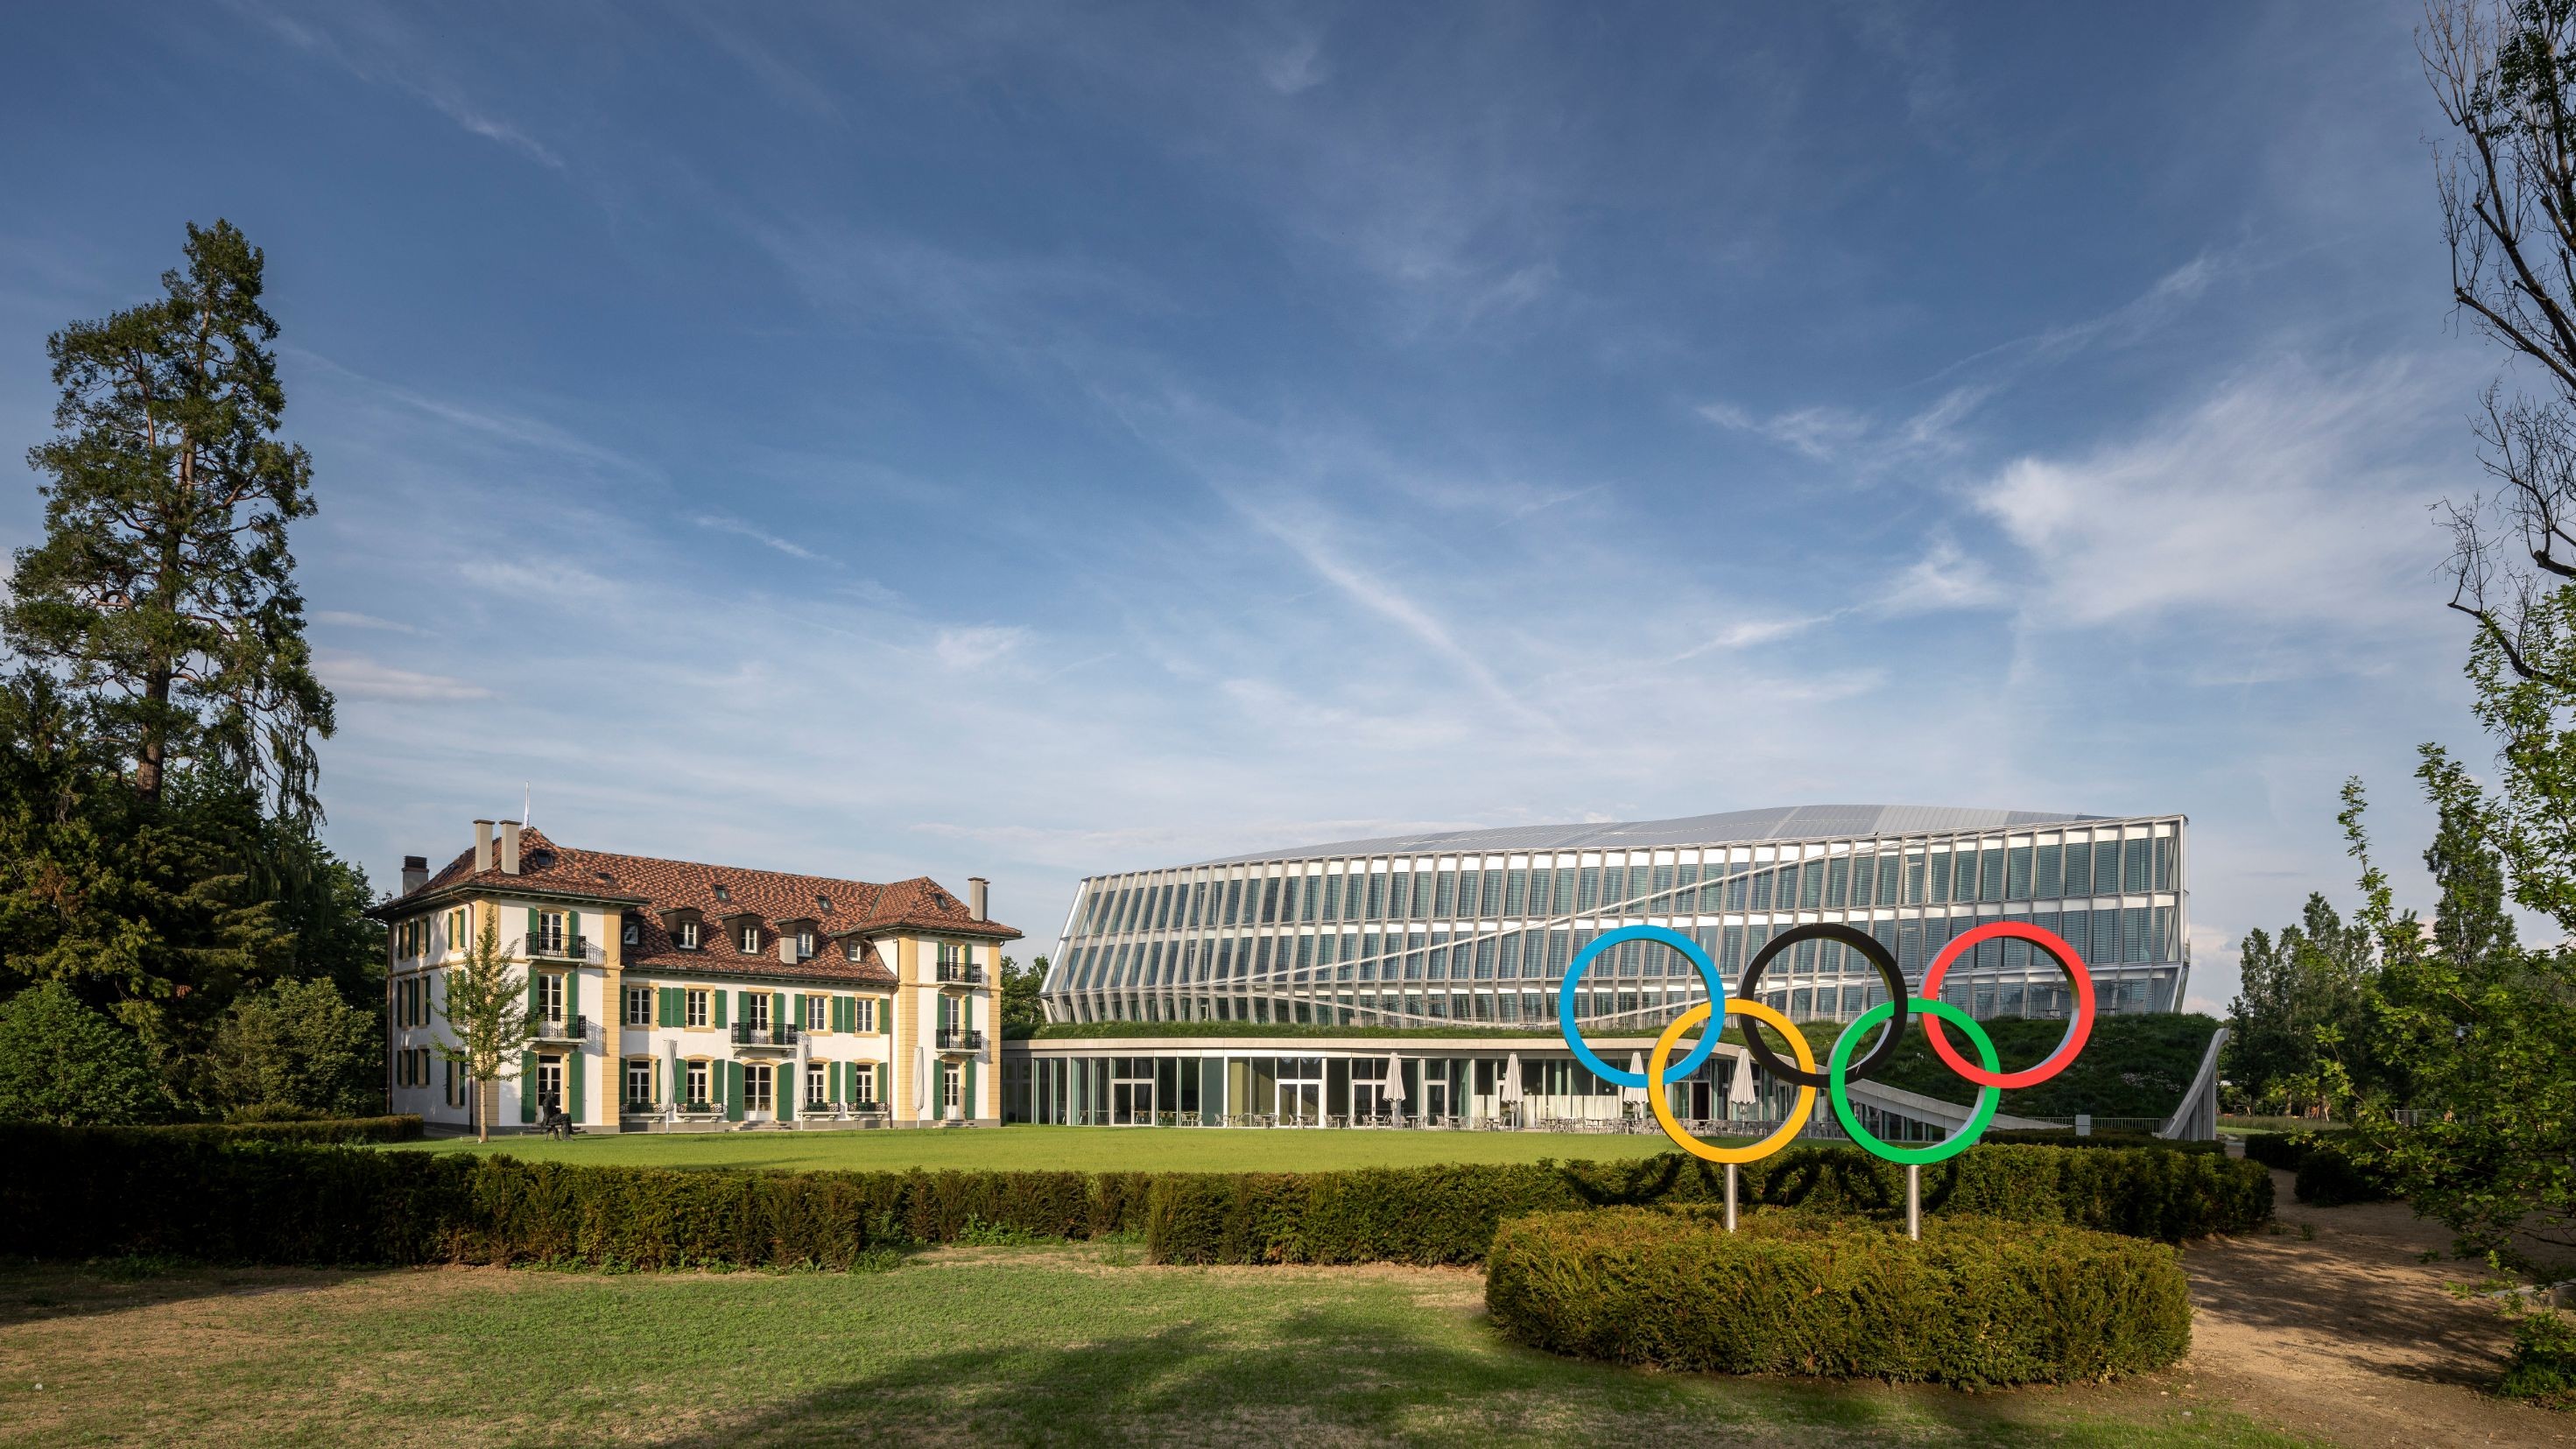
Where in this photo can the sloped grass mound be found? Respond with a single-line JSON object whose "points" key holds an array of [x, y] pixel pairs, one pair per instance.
{"points": [[1977, 1303]]}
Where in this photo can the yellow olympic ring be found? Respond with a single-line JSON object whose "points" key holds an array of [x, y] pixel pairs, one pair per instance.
{"points": [[1662, 1103]]}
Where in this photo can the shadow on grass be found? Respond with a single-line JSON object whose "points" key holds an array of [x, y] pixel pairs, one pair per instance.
{"points": [[32, 1292], [1337, 1375]]}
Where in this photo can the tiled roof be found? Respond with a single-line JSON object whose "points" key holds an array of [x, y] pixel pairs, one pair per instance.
{"points": [[649, 887]]}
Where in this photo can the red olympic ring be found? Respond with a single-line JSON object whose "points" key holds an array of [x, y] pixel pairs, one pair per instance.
{"points": [[2076, 976]]}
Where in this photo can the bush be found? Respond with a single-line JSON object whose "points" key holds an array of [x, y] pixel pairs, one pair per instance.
{"points": [[63, 1063], [240, 1194], [2328, 1177], [1977, 1302], [1437, 1215], [298, 1044], [2065, 1137], [2543, 1363], [281, 1127], [2282, 1150]]}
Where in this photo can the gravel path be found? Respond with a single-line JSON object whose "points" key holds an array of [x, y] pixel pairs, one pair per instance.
{"points": [[2349, 1335]]}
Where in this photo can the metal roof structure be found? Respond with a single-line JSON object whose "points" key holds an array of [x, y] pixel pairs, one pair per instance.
{"points": [[1779, 822]]}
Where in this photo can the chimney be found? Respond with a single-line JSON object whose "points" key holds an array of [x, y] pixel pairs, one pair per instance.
{"points": [[482, 846], [415, 872], [975, 885], [509, 847]]}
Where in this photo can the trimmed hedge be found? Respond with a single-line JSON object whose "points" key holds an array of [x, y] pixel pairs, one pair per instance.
{"points": [[2325, 1175], [76, 1193], [1978, 1302], [1434, 1215], [405, 1128]]}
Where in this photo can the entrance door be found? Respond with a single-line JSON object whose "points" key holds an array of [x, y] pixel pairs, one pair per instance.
{"points": [[759, 1099], [1131, 1104], [1301, 1103], [1435, 1095], [550, 1097]]}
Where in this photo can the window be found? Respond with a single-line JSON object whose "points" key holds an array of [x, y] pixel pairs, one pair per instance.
{"points": [[853, 948], [755, 1009], [686, 937], [723, 894], [817, 1013], [456, 1081], [815, 1094], [823, 904], [863, 1082], [756, 1087], [546, 932], [639, 1006], [550, 996], [634, 933], [950, 1088], [639, 1082], [750, 940], [698, 1081], [864, 1017], [804, 945], [697, 1009]]}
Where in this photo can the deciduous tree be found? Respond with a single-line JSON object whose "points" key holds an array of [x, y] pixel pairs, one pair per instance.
{"points": [[485, 1005]]}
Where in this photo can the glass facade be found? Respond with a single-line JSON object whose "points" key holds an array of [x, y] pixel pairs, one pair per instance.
{"points": [[1478, 926]]}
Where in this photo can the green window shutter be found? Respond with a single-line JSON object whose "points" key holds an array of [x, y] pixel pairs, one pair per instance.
{"points": [[666, 1009], [536, 923], [527, 1086], [572, 994], [733, 1091], [800, 1009], [536, 1001], [720, 1008], [789, 1088], [969, 1108], [778, 1011], [572, 1083], [657, 1079], [742, 1005]]}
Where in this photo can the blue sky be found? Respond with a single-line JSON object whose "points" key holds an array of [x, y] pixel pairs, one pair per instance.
{"points": [[1032, 441]]}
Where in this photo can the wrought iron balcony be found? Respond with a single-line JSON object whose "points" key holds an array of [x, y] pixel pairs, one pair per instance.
{"points": [[960, 973], [575, 1027], [961, 1041], [782, 1038], [542, 947]]}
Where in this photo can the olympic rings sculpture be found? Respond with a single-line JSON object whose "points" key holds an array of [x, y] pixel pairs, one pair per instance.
{"points": [[1891, 1017]]}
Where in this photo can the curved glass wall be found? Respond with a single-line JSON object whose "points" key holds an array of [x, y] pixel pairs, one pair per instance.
{"points": [[1422, 937]]}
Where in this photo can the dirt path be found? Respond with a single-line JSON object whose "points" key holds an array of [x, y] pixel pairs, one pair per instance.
{"points": [[2349, 1336]]}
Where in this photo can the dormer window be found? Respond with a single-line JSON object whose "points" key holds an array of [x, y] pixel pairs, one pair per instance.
{"points": [[854, 948], [804, 945], [749, 940], [634, 933], [685, 935], [723, 894], [823, 904]]}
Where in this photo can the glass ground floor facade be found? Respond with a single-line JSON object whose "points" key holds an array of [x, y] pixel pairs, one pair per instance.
{"points": [[1479, 927]]}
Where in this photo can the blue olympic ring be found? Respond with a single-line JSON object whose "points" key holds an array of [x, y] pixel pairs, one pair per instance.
{"points": [[1574, 973]]}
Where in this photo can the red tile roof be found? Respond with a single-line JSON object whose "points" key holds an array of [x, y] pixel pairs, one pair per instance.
{"points": [[647, 888]]}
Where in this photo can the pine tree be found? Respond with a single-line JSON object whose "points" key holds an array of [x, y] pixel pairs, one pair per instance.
{"points": [[164, 583]]}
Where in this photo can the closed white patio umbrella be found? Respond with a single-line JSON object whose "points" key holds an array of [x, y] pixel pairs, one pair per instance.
{"points": [[1636, 1067], [1741, 1088], [1509, 1089], [921, 1080], [1394, 1080]]}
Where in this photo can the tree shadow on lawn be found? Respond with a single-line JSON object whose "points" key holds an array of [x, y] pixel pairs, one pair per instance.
{"points": [[1335, 1374], [35, 1292]]}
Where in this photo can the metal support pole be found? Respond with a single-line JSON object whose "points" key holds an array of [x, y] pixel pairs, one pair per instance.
{"points": [[1730, 1197], [1914, 1202]]}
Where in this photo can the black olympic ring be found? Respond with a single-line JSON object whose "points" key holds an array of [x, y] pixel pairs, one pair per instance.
{"points": [[1877, 955]]}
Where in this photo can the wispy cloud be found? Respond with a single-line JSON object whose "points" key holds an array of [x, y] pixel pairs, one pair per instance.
{"points": [[347, 620], [356, 677], [722, 524], [973, 646], [1944, 578]]}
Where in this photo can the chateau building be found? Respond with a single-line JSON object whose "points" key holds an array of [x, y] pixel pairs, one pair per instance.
{"points": [[669, 995]]}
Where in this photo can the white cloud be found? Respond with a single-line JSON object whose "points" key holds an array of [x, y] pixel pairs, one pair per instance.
{"points": [[2283, 494], [348, 620], [722, 524], [1817, 432], [976, 645], [355, 677], [1944, 578]]}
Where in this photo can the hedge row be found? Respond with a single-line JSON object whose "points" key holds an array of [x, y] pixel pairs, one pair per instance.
{"points": [[1449, 1214], [405, 1128], [1977, 1302], [2326, 1176], [76, 1194]]}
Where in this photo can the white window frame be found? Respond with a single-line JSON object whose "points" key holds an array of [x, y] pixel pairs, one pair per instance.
{"points": [[550, 996], [639, 1069], [698, 1081], [818, 1013], [686, 937], [639, 1006], [697, 1006], [749, 941], [818, 1084]]}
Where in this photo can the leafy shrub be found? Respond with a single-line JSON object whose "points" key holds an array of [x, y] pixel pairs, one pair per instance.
{"points": [[2543, 1363], [2328, 1177], [1978, 1302], [298, 1044], [1435, 1215], [2281, 1150], [2065, 1137], [63, 1063], [287, 1126]]}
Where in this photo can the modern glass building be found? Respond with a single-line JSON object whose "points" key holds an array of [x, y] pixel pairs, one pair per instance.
{"points": [[1476, 927]]}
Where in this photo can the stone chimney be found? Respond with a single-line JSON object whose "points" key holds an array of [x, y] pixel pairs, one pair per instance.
{"points": [[482, 846], [975, 886], [415, 873], [509, 847]]}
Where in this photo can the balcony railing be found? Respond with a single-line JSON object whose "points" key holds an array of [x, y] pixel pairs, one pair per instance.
{"points": [[747, 1035], [557, 948], [960, 973], [575, 1027], [961, 1041]]}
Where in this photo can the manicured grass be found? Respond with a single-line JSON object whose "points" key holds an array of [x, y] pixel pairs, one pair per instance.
{"points": [[1081, 1149], [1001, 1345]]}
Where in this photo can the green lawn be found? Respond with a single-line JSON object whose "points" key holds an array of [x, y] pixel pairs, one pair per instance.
{"points": [[1083, 1149], [999, 1345]]}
